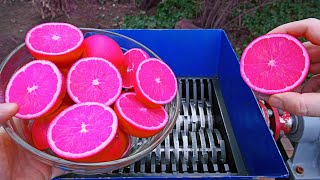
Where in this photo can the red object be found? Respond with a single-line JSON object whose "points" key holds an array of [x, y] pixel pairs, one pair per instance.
{"points": [[274, 122], [103, 47], [284, 123], [265, 112], [39, 133], [40, 128], [119, 148]]}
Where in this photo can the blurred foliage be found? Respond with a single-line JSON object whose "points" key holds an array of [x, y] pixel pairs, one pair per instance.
{"points": [[278, 13], [250, 19], [166, 16], [273, 15]]}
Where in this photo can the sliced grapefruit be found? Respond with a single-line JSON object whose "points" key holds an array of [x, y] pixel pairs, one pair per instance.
{"points": [[58, 42], [274, 63], [155, 83], [38, 88], [132, 59], [82, 131], [137, 119], [94, 79]]}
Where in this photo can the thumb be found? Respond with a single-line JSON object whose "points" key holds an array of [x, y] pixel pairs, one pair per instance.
{"points": [[7, 110], [306, 104]]}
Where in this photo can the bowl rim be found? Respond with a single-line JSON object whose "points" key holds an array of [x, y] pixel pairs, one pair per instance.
{"points": [[45, 157]]}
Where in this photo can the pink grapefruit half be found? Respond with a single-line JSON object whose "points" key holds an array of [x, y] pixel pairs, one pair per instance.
{"points": [[137, 119], [132, 59], [94, 79], [155, 83], [38, 88], [61, 43], [82, 131], [274, 63], [102, 46]]}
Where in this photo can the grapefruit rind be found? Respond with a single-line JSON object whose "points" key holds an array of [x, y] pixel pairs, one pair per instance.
{"points": [[118, 150], [98, 149], [55, 98], [304, 73]]}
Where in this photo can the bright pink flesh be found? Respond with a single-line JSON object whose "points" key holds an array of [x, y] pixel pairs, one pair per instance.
{"points": [[155, 82], [132, 59], [38, 88], [82, 130], [94, 80], [54, 38], [104, 47], [58, 42], [137, 119], [274, 63]]}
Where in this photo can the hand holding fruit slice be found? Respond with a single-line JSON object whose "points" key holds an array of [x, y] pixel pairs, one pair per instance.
{"points": [[274, 63]]}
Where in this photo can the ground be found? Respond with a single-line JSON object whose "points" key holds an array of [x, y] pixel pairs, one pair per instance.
{"points": [[18, 17]]}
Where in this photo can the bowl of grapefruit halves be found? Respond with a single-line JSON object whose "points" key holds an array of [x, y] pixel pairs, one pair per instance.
{"points": [[90, 101]]}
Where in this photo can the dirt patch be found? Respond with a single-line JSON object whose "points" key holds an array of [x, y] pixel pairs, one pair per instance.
{"points": [[19, 17]]}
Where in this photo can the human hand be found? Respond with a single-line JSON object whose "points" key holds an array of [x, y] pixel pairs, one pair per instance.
{"points": [[307, 101], [15, 162]]}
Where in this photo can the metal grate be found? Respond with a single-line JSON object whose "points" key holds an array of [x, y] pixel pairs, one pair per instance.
{"points": [[198, 143]]}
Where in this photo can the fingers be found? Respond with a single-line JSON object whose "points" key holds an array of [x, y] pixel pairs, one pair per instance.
{"points": [[314, 68], [313, 85], [303, 28], [313, 51], [308, 28], [7, 110], [307, 104]]}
